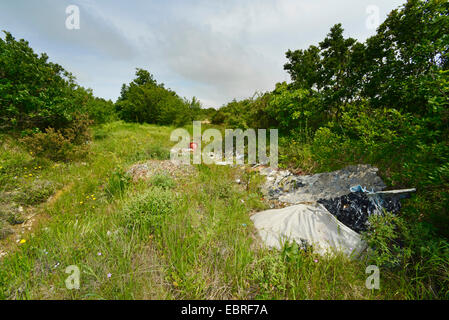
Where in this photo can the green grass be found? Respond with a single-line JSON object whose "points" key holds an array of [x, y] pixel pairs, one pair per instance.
{"points": [[189, 238]]}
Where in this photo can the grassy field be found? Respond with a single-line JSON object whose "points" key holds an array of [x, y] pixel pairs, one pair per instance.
{"points": [[186, 238]]}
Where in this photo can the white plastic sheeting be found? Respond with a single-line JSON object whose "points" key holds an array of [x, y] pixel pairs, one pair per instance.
{"points": [[312, 224]]}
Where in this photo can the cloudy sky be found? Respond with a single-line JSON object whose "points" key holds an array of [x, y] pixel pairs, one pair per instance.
{"points": [[215, 50]]}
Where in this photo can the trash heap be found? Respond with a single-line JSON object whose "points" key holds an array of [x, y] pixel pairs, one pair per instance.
{"points": [[327, 211], [288, 188]]}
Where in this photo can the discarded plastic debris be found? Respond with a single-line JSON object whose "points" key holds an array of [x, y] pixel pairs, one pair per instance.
{"points": [[350, 196], [288, 188], [307, 225], [354, 209]]}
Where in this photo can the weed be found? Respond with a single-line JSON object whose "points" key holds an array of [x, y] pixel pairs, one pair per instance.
{"points": [[163, 181], [117, 184], [145, 212]]}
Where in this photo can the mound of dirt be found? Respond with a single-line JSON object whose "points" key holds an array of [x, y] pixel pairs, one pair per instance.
{"points": [[150, 168]]}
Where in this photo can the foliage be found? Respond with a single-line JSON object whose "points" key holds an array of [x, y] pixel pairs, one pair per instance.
{"points": [[384, 239], [36, 94], [64, 144], [146, 211], [144, 100]]}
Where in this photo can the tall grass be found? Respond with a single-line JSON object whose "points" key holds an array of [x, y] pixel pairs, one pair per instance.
{"points": [[163, 239]]}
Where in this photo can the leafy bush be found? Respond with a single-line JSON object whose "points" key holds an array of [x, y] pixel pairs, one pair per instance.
{"points": [[64, 144], [384, 238], [39, 192], [144, 212]]}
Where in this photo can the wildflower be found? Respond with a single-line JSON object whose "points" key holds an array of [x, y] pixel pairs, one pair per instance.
{"points": [[109, 275], [30, 174], [22, 241], [99, 254], [243, 224], [316, 260], [81, 202]]}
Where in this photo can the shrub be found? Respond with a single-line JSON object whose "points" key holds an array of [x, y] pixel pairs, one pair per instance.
{"points": [[145, 212], [384, 239], [63, 144], [39, 192]]}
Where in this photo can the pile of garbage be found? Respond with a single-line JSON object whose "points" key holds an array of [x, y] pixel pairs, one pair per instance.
{"points": [[327, 211], [286, 187]]}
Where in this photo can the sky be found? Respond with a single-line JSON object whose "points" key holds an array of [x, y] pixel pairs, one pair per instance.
{"points": [[215, 50]]}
